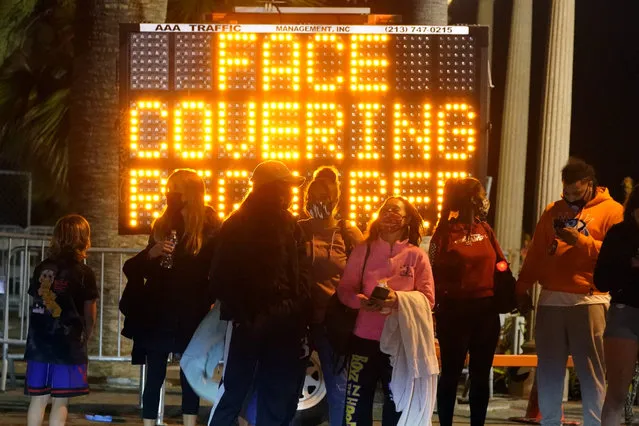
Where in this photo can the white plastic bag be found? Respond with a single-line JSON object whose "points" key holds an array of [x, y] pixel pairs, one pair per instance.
{"points": [[207, 349]]}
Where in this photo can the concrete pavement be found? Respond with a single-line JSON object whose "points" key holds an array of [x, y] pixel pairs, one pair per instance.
{"points": [[122, 405]]}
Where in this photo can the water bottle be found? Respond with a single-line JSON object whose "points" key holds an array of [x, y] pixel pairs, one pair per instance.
{"points": [[167, 260], [384, 284]]}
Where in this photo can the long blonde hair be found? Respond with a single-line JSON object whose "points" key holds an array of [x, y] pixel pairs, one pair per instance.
{"points": [[71, 235], [191, 186]]}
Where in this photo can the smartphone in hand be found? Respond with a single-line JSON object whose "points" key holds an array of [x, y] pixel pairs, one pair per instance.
{"points": [[380, 294]]}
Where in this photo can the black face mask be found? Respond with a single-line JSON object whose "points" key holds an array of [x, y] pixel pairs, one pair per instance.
{"points": [[577, 204], [580, 203], [174, 203]]}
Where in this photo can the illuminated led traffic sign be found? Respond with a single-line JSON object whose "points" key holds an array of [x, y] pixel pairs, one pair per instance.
{"points": [[398, 110]]}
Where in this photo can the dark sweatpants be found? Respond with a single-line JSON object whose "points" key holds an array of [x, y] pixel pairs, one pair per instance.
{"points": [[368, 365], [269, 362]]}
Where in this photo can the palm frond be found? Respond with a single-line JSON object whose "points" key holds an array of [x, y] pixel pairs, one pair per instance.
{"points": [[38, 142], [14, 17], [34, 93]]}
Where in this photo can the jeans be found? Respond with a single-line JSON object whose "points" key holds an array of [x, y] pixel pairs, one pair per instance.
{"points": [[466, 327], [576, 330], [335, 381]]}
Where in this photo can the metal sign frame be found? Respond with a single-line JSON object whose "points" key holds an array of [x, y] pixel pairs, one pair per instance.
{"points": [[479, 98]]}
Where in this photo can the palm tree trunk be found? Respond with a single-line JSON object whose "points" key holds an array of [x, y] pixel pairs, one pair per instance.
{"points": [[425, 12], [94, 146]]}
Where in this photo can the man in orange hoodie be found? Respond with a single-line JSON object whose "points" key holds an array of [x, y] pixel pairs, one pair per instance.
{"points": [[571, 314]]}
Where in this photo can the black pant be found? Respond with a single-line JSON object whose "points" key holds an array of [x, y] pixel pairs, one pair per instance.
{"points": [[268, 362], [155, 374], [368, 365], [466, 327]]}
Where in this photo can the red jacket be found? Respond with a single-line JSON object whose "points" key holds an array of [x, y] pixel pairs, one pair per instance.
{"points": [[463, 260]]}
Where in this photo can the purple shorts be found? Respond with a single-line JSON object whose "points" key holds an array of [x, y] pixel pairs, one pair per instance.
{"points": [[59, 381]]}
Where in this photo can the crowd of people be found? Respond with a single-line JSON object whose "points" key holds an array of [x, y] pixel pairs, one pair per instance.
{"points": [[372, 306]]}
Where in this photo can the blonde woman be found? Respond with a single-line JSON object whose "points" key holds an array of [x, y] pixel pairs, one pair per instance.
{"points": [[176, 299]]}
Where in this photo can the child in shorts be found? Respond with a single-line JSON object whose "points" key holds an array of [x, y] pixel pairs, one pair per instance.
{"points": [[62, 316]]}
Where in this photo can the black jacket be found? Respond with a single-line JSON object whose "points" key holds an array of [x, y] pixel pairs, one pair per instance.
{"points": [[163, 307], [614, 271], [260, 271]]}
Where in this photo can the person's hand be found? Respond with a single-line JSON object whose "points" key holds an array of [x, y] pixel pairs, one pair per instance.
{"points": [[162, 248], [367, 304], [524, 303], [568, 235]]}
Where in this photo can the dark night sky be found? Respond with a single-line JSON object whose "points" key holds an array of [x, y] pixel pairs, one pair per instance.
{"points": [[605, 109]]}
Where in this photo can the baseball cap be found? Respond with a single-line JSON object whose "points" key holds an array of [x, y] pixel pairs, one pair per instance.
{"points": [[274, 171]]}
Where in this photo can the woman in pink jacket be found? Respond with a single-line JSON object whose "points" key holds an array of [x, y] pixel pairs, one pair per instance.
{"points": [[391, 257]]}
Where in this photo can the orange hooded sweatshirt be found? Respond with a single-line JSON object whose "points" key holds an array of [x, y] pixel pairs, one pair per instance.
{"points": [[570, 269]]}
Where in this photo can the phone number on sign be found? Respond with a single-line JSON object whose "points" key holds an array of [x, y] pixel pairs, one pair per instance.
{"points": [[413, 29]]}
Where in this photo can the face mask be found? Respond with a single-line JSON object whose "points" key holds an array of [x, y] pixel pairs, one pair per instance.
{"points": [[174, 202], [319, 210], [391, 222], [580, 203], [577, 204]]}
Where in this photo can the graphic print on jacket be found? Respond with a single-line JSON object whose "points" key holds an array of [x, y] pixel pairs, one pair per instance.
{"points": [[463, 260], [57, 333]]}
